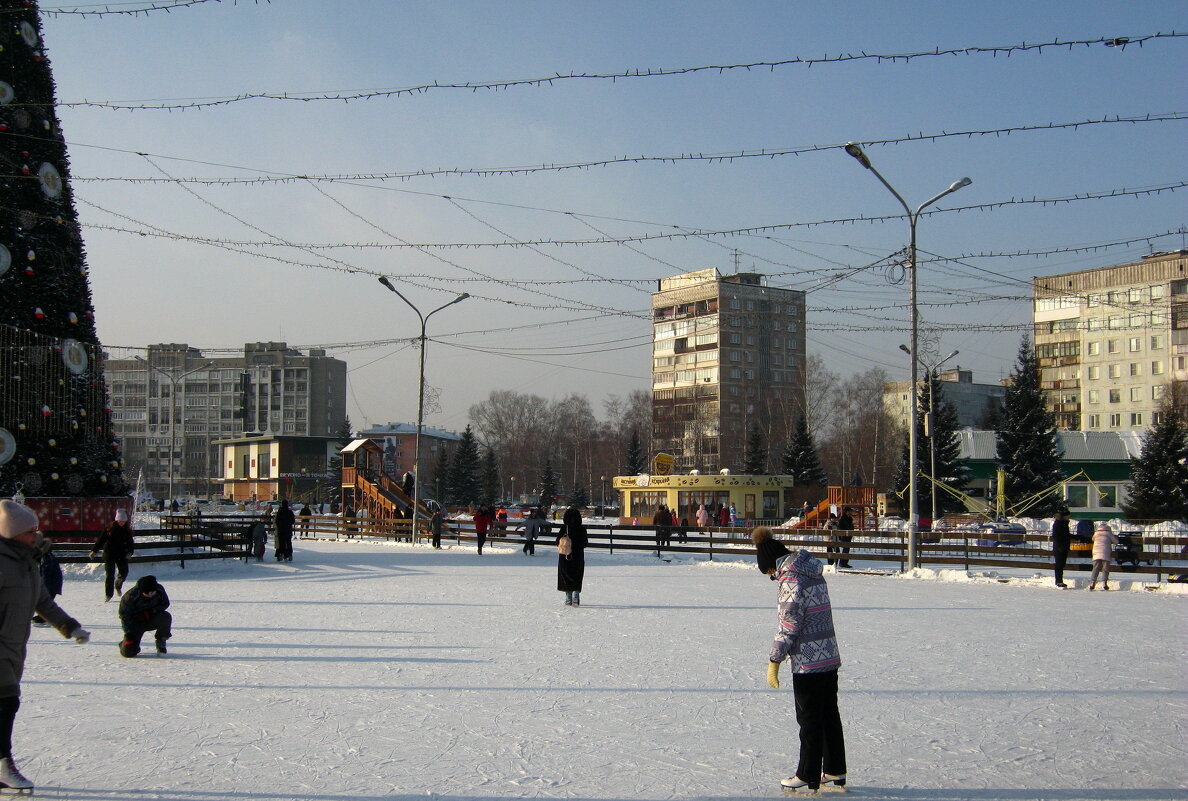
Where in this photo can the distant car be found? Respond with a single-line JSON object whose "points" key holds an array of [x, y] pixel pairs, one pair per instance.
{"points": [[1001, 532]]}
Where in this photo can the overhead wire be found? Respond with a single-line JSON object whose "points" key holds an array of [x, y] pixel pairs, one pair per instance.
{"points": [[1118, 42]]}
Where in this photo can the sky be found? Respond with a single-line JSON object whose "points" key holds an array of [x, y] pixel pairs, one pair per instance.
{"points": [[364, 671], [220, 264]]}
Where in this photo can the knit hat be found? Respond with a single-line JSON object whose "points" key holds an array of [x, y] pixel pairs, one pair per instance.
{"points": [[147, 584], [1104, 526], [121, 516], [767, 549], [16, 519]]}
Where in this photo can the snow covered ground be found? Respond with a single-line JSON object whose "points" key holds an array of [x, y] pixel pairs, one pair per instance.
{"points": [[370, 671]]}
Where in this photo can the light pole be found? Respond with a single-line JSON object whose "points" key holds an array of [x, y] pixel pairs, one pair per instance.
{"points": [[913, 461], [173, 380], [424, 318]]}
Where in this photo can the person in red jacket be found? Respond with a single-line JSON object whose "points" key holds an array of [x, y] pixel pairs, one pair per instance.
{"points": [[482, 522]]}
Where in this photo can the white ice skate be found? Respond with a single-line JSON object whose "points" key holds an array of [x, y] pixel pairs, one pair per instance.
{"points": [[11, 779]]}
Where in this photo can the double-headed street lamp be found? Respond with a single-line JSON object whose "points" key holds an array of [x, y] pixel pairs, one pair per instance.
{"points": [[913, 508], [420, 394], [173, 380]]}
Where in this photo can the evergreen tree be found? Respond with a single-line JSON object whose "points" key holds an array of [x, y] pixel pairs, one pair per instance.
{"points": [[800, 458], [549, 483], [345, 434], [580, 497], [942, 435], [1027, 446], [755, 455], [636, 462], [490, 478], [1159, 476], [465, 475], [441, 477], [951, 469], [55, 439]]}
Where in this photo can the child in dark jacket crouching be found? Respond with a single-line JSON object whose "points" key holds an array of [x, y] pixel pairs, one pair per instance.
{"points": [[142, 609]]}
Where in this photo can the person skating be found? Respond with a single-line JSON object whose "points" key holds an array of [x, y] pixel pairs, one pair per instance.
{"points": [[533, 528], [1104, 540], [806, 639], [116, 545], [51, 574], [435, 524], [143, 609], [571, 567], [1061, 544], [305, 514], [284, 532], [23, 594], [482, 522], [845, 523]]}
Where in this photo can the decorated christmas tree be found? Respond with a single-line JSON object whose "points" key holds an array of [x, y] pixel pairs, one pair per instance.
{"points": [[54, 434]]}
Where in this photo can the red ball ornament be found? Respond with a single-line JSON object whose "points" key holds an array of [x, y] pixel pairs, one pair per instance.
{"points": [[3, 127], [46, 411], [24, 169], [39, 314], [28, 271]]}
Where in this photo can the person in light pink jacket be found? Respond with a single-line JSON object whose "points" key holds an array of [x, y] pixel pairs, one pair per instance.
{"points": [[1104, 540]]}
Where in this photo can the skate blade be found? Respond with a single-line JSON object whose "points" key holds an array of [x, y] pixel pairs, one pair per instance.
{"points": [[6, 790], [830, 789]]}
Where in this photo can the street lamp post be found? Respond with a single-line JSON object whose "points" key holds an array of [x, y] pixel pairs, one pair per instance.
{"points": [[424, 318], [173, 380], [913, 456]]}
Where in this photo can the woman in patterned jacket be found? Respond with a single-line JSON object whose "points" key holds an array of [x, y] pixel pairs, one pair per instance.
{"points": [[806, 639]]}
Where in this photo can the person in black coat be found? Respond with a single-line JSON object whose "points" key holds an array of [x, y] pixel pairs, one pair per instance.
{"points": [[142, 609], [284, 532], [305, 514], [116, 545], [845, 523], [571, 567], [51, 576], [1061, 544]]}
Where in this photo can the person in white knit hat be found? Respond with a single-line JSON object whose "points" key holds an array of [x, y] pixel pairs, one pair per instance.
{"points": [[24, 593]]}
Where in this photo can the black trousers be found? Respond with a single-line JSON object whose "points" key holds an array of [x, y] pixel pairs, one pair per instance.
{"points": [[284, 544], [1060, 555], [110, 568], [8, 710], [160, 623], [822, 744]]}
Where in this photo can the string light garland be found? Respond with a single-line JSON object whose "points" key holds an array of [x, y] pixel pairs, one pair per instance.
{"points": [[1119, 43], [721, 158]]}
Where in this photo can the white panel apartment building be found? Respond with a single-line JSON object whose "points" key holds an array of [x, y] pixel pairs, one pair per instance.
{"points": [[1109, 341], [271, 388]]}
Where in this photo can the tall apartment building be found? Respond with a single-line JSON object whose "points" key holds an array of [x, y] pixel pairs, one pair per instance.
{"points": [[1109, 340], [271, 388], [727, 352], [973, 402]]}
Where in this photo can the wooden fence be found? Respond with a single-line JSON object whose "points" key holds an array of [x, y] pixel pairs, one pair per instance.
{"points": [[208, 537]]}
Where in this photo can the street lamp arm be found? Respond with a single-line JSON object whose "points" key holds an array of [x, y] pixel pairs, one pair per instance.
{"points": [[383, 279], [964, 182]]}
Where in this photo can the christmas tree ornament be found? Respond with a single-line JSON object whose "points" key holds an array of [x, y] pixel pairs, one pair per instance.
{"points": [[6, 93], [7, 446], [52, 442], [50, 180], [30, 461], [46, 411], [73, 318], [39, 314], [5, 260]]}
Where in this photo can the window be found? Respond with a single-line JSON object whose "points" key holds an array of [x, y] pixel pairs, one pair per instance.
{"points": [[1137, 320], [1157, 342], [1093, 324], [1136, 418], [1157, 391], [1108, 495], [1115, 370], [1111, 346], [1135, 344], [1093, 421], [1136, 393], [1136, 368], [1076, 496], [1115, 396], [1115, 420], [1093, 372], [735, 303], [1094, 299], [1115, 321], [1094, 349], [1156, 368], [1094, 396]]}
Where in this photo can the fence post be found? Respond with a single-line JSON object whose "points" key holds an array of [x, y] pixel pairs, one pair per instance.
{"points": [[181, 549], [610, 536], [711, 546]]}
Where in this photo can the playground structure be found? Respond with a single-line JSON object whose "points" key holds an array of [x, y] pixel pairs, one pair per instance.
{"points": [[860, 499]]}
